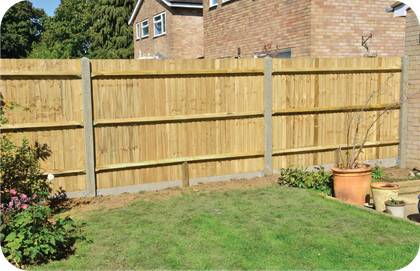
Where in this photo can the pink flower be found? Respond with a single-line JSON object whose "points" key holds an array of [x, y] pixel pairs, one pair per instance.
{"points": [[12, 192], [15, 198], [35, 196], [11, 204], [7, 220], [23, 196], [24, 206]]}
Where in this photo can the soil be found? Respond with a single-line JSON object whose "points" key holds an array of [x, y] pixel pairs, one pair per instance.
{"points": [[71, 205], [396, 172]]}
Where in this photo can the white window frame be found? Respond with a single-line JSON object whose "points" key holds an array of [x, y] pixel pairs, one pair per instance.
{"points": [[159, 21], [213, 4], [137, 31], [224, 1], [142, 27]]}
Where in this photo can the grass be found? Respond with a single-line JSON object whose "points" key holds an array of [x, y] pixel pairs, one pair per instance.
{"points": [[267, 228]]}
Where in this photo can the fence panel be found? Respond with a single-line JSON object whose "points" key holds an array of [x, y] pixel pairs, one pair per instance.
{"points": [[154, 102], [56, 108], [325, 83], [151, 116]]}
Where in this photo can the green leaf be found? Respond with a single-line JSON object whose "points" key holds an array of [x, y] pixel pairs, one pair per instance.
{"points": [[10, 237], [19, 220]]}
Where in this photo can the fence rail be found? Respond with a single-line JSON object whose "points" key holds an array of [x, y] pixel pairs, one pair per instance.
{"points": [[164, 120]]}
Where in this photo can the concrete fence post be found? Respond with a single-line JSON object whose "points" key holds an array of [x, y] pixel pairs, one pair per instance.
{"points": [[268, 110], [88, 128], [402, 133]]}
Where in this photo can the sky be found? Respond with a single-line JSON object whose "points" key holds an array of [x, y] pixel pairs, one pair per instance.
{"points": [[49, 6]]}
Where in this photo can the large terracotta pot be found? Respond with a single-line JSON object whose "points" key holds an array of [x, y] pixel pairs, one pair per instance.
{"points": [[353, 185], [383, 191]]}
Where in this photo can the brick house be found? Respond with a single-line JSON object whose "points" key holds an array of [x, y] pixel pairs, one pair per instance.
{"points": [[301, 28], [168, 29], [412, 50]]}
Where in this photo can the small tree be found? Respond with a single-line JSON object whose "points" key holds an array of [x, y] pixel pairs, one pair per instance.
{"points": [[350, 158]]}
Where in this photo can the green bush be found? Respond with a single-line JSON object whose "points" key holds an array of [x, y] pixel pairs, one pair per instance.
{"points": [[314, 180], [27, 234], [20, 169]]}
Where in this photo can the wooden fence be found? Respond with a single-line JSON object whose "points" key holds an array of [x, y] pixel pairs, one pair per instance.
{"points": [[228, 116]]}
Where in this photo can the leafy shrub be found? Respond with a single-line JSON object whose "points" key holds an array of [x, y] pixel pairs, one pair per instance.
{"points": [[28, 236], [20, 169], [377, 173], [314, 180]]}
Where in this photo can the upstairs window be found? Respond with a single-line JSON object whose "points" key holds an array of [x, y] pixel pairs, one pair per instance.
{"points": [[145, 28], [213, 3], [159, 23], [138, 30]]}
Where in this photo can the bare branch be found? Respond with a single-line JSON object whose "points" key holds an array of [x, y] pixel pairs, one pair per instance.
{"points": [[341, 154], [352, 160], [370, 127]]}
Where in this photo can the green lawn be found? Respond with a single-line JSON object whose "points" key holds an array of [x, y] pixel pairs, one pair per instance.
{"points": [[267, 228]]}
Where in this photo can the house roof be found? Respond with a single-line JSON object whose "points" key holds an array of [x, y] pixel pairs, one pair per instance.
{"points": [[169, 3], [399, 9], [396, 4]]}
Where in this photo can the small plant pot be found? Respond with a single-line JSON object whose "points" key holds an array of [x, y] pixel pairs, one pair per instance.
{"points": [[396, 209], [383, 191]]}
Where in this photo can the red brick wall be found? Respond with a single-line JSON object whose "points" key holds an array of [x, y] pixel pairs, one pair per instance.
{"points": [[337, 27], [249, 24], [181, 25], [315, 28], [187, 36], [412, 49]]}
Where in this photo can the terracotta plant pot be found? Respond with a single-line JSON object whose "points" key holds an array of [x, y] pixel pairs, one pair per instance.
{"points": [[396, 209], [383, 191], [352, 185]]}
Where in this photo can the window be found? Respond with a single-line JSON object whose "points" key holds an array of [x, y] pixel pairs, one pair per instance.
{"points": [[160, 24], [138, 30], [145, 28], [213, 3]]}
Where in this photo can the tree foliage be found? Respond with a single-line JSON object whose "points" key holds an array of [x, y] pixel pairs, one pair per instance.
{"points": [[20, 27], [65, 35], [96, 29], [110, 35]]}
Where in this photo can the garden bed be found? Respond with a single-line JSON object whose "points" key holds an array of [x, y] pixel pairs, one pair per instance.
{"points": [[112, 201]]}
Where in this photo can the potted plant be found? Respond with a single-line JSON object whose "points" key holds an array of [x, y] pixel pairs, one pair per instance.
{"points": [[396, 207], [381, 192], [352, 179]]}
